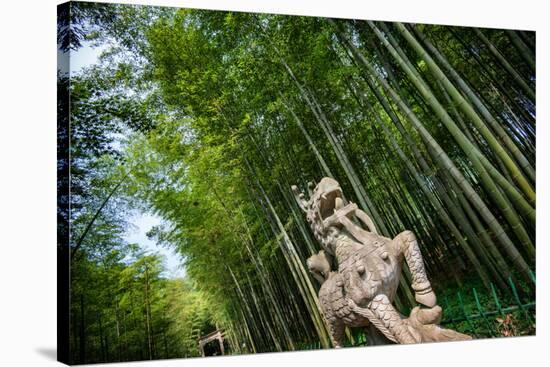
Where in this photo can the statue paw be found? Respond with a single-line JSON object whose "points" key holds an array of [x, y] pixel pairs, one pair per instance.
{"points": [[426, 298], [425, 321], [427, 316]]}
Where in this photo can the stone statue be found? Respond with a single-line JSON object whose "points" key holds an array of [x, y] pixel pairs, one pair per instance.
{"points": [[360, 293]]}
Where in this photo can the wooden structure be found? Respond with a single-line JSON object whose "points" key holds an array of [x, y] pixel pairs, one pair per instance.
{"points": [[215, 335]]}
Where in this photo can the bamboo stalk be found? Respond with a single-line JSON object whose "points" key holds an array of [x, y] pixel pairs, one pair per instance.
{"points": [[469, 111], [446, 163], [506, 65]]}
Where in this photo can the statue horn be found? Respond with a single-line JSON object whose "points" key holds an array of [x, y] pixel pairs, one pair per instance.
{"points": [[299, 196]]}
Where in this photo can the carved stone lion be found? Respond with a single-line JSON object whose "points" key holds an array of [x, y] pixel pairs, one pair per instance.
{"points": [[369, 265]]}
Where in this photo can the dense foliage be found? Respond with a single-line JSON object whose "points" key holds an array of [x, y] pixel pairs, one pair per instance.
{"points": [[207, 118]]}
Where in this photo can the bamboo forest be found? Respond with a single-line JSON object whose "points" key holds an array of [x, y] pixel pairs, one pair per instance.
{"points": [[204, 120]]}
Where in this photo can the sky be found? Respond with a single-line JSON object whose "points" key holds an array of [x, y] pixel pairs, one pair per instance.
{"points": [[142, 222], [85, 56]]}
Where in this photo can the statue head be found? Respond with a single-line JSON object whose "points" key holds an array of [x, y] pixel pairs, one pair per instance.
{"points": [[327, 196], [324, 200]]}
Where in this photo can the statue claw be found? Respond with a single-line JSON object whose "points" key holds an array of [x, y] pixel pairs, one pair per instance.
{"points": [[427, 298], [427, 316]]}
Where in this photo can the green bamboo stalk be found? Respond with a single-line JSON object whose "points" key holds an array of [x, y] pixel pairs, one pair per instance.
{"points": [[469, 111], [312, 145], [443, 214], [530, 42], [265, 323], [522, 48], [304, 278], [301, 277], [514, 196], [421, 182], [502, 266], [461, 139], [457, 213], [445, 162], [503, 90], [363, 198], [267, 286], [518, 79], [475, 157], [435, 203]]}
